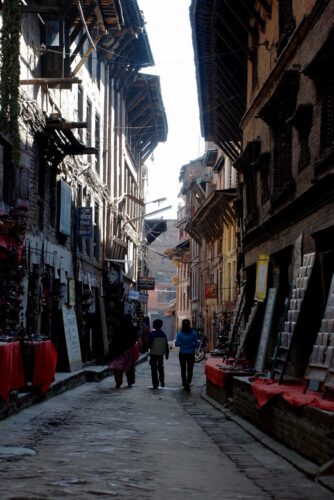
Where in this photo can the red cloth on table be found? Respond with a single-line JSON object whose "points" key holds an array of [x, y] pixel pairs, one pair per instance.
{"points": [[220, 371], [214, 373], [265, 390], [45, 362], [11, 369]]}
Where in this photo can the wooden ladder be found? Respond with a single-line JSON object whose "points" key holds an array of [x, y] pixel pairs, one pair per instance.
{"points": [[289, 323]]}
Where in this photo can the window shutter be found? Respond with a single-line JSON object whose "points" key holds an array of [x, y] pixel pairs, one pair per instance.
{"points": [[327, 115]]}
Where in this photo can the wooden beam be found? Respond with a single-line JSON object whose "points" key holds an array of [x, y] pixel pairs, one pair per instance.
{"points": [[265, 4], [50, 81], [83, 59], [77, 29], [65, 125], [254, 13], [79, 46], [39, 9]]}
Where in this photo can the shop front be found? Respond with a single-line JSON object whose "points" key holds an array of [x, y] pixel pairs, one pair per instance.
{"points": [[279, 371], [25, 360]]}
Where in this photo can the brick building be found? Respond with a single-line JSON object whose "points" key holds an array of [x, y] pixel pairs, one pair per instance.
{"points": [[161, 302], [265, 85], [275, 101], [72, 164]]}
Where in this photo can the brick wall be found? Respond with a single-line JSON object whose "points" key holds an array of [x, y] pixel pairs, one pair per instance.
{"points": [[307, 430]]}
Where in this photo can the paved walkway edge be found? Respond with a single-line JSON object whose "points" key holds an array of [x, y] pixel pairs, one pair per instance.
{"points": [[64, 381], [310, 469]]}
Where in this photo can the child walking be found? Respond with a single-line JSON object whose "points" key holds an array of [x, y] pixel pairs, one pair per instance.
{"points": [[158, 346]]}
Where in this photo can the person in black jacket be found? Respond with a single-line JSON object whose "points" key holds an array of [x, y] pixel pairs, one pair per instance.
{"points": [[158, 346]]}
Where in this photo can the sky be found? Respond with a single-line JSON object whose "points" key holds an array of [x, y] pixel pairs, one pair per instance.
{"points": [[169, 34]]}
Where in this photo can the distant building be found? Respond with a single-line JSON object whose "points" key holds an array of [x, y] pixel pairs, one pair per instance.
{"points": [[161, 303]]}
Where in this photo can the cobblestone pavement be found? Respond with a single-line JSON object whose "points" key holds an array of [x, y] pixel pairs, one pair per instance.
{"points": [[100, 442]]}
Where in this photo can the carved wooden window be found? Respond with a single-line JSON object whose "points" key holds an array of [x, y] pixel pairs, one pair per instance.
{"points": [[55, 60], [98, 73], [304, 158], [287, 23], [282, 164], [264, 185], [90, 65], [285, 16], [53, 197], [327, 114], [96, 242], [79, 204], [251, 195], [88, 241], [80, 110], [89, 122], [302, 121], [97, 142], [278, 113], [41, 192], [254, 58], [262, 165]]}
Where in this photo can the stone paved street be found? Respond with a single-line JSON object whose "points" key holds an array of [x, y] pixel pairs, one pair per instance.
{"points": [[100, 442]]}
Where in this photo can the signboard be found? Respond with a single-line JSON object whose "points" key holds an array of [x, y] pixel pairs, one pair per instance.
{"points": [[71, 291], [262, 263], [143, 298], [210, 290], [85, 222], [266, 328], [72, 338], [134, 295], [146, 283], [65, 208]]}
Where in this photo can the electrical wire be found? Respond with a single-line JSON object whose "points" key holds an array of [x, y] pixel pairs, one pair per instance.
{"points": [[129, 62], [210, 260]]}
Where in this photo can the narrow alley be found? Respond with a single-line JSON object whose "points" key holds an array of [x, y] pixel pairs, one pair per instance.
{"points": [[98, 441]]}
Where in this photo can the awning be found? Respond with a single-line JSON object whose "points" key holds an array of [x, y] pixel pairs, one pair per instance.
{"points": [[180, 251], [153, 228], [116, 253], [220, 39], [209, 221], [59, 141], [128, 46], [146, 113]]}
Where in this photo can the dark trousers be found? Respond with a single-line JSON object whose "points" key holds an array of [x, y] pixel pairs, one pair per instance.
{"points": [[157, 369], [130, 376], [187, 361]]}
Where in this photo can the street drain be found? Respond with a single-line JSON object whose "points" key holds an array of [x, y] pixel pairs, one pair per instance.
{"points": [[16, 451]]}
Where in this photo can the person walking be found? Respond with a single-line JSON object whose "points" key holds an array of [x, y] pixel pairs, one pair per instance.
{"points": [[187, 340], [158, 347], [124, 351]]}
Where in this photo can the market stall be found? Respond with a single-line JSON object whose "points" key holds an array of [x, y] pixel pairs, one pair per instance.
{"points": [[44, 356], [11, 369]]}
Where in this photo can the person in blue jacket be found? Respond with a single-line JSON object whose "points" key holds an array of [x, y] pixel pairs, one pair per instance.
{"points": [[187, 340], [158, 347]]}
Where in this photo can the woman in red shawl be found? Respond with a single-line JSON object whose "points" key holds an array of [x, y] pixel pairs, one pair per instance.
{"points": [[123, 352]]}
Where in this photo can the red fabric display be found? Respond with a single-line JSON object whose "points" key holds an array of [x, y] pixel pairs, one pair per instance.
{"points": [[45, 362], [11, 369], [220, 371], [265, 390], [214, 373]]}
